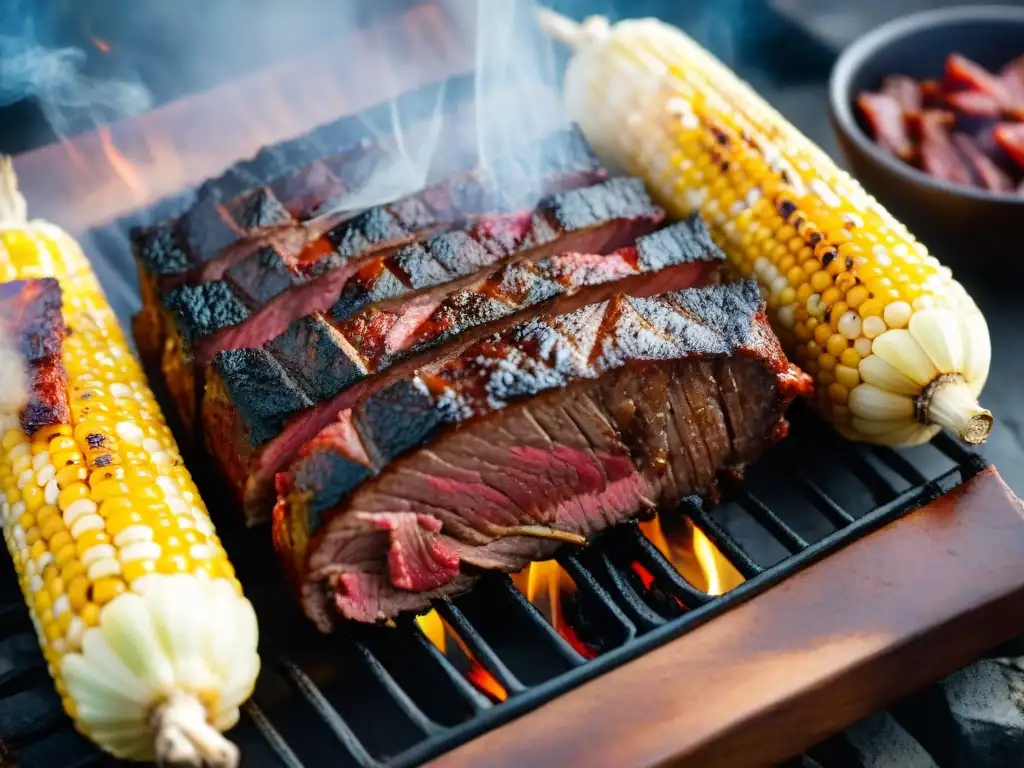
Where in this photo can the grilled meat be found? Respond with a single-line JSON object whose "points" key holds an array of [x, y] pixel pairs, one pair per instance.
{"points": [[212, 317], [167, 252], [335, 363], [217, 233], [567, 161], [31, 310], [547, 433]]}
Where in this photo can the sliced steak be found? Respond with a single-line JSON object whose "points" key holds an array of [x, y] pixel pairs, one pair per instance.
{"points": [[337, 364], [594, 219], [315, 247], [547, 433], [211, 317], [31, 311], [167, 252]]}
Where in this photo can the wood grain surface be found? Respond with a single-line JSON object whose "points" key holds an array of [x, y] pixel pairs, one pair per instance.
{"points": [[852, 633]]}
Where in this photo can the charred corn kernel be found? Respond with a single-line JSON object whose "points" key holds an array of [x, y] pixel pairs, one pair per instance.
{"points": [[653, 102], [150, 642]]}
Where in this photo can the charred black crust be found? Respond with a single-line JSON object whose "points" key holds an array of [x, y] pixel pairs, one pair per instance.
{"points": [[397, 419], [564, 151], [160, 249], [366, 230], [419, 265], [36, 305], [545, 354], [205, 230], [681, 243], [309, 350], [257, 208], [262, 275], [622, 197], [355, 297], [323, 476], [199, 310], [260, 389]]}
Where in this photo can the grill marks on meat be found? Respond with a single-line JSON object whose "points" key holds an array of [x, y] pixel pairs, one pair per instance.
{"points": [[211, 317], [276, 291], [270, 295], [549, 432], [32, 310], [313, 248], [338, 363]]}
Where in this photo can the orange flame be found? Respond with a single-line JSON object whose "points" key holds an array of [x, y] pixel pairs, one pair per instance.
{"points": [[694, 555], [102, 45], [438, 632], [122, 166], [545, 585]]}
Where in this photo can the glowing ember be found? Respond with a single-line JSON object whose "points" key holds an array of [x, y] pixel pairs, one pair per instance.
{"points": [[694, 555], [439, 633]]}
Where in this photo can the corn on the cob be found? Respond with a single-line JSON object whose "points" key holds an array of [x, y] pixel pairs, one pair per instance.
{"points": [[897, 347], [142, 622]]}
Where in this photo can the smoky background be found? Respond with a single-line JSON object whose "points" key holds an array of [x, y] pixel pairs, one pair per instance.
{"points": [[73, 72]]}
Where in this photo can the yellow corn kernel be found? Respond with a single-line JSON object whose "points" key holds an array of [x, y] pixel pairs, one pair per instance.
{"points": [[69, 489], [653, 102]]}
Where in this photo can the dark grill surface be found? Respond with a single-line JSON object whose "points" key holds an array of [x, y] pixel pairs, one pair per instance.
{"points": [[379, 696]]}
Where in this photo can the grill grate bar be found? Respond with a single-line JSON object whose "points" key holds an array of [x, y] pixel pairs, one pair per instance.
{"points": [[479, 647], [955, 450], [274, 739], [711, 528], [309, 690], [400, 697], [881, 489], [535, 617], [590, 586], [901, 465], [472, 696], [665, 575], [613, 579], [824, 503], [774, 524]]}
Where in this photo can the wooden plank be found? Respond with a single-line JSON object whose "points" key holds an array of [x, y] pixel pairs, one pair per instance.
{"points": [[95, 178], [873, 622]]}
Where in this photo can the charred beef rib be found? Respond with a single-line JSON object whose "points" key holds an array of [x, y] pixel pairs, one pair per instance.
{"points": [[210, 318], [282, 184], [547, 433], [268, 282], [31, 310], [264, 234], [282, 395]]}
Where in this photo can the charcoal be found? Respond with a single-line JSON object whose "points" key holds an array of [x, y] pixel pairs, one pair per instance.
{"points": [[881, 742], [986, 702]]}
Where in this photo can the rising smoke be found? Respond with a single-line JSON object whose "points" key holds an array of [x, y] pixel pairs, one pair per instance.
{"points": [[517, 73]]}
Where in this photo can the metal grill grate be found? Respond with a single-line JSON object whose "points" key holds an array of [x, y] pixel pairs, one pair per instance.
{"points": [[378, 696]]}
